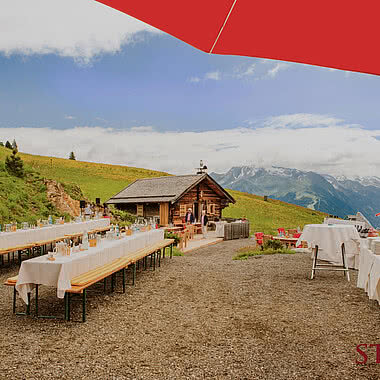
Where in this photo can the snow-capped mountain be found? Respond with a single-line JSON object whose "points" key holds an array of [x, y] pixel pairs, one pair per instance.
{"points": [[339, 196]]}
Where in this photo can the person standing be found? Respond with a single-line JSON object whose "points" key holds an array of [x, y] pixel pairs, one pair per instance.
{"points": [[88, 211], [189, 218], [204, 221]]}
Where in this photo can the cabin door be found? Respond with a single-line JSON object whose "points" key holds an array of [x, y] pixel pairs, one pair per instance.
{"points": [[198, 207], [164, 214], [196, 211]]}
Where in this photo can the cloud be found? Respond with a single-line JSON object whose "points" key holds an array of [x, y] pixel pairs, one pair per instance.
{"points": [[257, 70], [194, 79], [244, 71], [213, 75], [81, 29], [280, 66], [142, 129], [301, 120], [336, 148], [69, 117]]}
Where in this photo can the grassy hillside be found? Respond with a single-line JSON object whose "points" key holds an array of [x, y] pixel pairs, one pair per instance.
{"points": [[96, 180], [101, 180], [268, 216], [23, 200]]}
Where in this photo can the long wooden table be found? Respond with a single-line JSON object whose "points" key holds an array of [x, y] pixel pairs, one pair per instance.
{"points": [[67, 274], [32, 235], [41, 246]]}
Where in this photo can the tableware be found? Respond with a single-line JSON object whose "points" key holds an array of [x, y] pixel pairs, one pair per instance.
{"points": [[50, 256]]}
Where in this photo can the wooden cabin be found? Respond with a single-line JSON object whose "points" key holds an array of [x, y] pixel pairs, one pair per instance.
{"points": [[170, 197]]}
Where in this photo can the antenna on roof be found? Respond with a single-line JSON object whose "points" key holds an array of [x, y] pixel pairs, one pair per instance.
{"points": [[202, 168]]}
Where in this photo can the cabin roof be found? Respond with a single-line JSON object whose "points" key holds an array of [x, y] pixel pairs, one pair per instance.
{"points": [[165, 189]]}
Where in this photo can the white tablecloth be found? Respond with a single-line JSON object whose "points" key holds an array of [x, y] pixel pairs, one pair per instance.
{"points": [[59, 273], [369, 273], [21, 237], [329, 240]]}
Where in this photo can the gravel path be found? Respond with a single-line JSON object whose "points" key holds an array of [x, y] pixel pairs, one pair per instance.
{"points": [[200, 316]]}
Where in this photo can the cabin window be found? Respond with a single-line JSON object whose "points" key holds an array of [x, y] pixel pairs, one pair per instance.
{"points": [[211, 208], [140, 210], [182, 210]]}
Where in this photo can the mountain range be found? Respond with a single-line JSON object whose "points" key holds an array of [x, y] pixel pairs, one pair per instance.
{"points": [[340, 196]]}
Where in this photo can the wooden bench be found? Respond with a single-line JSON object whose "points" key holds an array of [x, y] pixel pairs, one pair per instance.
{"points": [[29, 247], [11, 281], [79, 284], [18, 248]]}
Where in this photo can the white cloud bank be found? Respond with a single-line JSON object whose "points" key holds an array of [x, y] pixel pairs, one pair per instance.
{"points": [[330, 147], [80, 29]]}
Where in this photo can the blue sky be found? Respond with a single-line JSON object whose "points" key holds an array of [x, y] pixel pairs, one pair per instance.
{"points": [[115, 78], [162, 81]]}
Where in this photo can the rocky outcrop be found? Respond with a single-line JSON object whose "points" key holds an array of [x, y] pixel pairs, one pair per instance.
{"points": [[60, 199]]}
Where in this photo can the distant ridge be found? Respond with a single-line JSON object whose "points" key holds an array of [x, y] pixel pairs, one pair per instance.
{"points": [[339, 195]]}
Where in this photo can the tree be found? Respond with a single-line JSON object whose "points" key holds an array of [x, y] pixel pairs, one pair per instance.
{"points": [[8, 145], [15, 165], [72, 156], [14, 145], [1, 143]]}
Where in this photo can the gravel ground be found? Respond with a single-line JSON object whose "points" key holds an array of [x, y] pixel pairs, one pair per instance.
{"points": [[200, 316]]}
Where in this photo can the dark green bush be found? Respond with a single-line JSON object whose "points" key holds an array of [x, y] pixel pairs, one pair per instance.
{"points": [[273, 244], [15, 165]]}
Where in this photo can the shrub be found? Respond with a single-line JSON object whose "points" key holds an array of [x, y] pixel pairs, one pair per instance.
{"points": [[177, 252], [271, 249], [122, 216], [172, 235], [15, 165], [73, 190], [272, 244]]}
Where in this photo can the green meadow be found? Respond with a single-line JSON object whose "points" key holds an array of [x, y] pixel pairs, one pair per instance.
{"points": [[95, 180], [24, 198], [267, 216]]}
